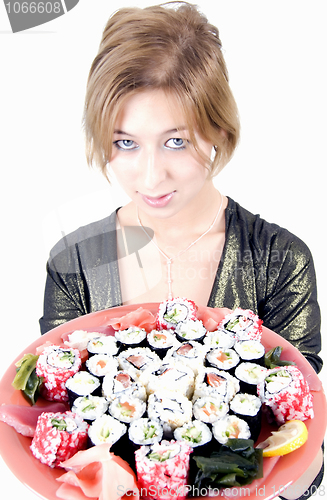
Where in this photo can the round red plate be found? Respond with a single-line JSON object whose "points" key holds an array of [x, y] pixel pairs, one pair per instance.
{"points": [[14, 448]]}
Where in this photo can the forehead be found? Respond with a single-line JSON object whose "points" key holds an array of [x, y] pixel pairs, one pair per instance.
{"points": [[152, 111]]}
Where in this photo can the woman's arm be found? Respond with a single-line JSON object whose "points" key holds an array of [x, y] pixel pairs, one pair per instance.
{"points": [[289, 306], [64, 298]]}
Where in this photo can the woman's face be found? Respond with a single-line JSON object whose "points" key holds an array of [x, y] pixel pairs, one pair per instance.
{"points": [[153, 159]]}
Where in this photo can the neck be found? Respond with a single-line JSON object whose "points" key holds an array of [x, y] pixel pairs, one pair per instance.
{"points": [[190, 222], [170, 258]]}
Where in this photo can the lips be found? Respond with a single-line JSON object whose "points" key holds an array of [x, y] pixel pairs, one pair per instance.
{"points": [[158, 201]]}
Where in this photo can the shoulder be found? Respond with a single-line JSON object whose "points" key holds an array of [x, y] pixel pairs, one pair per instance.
{"points": [[261, 235], [87, 241]]}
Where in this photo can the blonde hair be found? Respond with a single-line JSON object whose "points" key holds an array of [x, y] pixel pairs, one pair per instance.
{"points": [[172, 48]]}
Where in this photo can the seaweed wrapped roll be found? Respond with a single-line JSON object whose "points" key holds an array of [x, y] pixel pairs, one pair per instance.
{"points": [[138, 361], [90, 407], [160, 341], [100, 365], [172, 375], [230, 427], [131, 337], [82, 384], [251, 350], [209, 409], [190, 353], [197, 435], [211, 382], [172, 409], [223, 359], [250, 375], [122, 383], [145, 431], [106, 429], [191, 329], [248, 408], [126, 409], [219, 338], [103, 344]]}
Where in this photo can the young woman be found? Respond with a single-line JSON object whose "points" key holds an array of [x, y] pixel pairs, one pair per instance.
{"points": [[160, 114]]}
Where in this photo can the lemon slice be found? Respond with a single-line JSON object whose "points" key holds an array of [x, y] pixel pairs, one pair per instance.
{"points": [[288, 438]]}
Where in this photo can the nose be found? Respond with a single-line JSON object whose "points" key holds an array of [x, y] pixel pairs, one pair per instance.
{"points": [[152, 169]]}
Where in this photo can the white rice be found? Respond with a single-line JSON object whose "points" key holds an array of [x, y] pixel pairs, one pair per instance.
{"points": [[230, 427], [209, 409], [194, 433], [172, 375], [106, 429]]}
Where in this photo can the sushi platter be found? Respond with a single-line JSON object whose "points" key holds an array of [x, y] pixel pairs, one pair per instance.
{"points": [[173, 406]]}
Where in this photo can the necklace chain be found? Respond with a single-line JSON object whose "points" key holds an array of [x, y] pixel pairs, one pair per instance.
{"points": [[169, 260]]}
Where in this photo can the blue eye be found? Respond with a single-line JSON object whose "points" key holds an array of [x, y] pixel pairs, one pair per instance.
{"points": [[176, 143], [125, 144]]}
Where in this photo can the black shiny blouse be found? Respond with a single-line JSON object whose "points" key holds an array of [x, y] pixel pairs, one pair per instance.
{"points": [[263, 267]]}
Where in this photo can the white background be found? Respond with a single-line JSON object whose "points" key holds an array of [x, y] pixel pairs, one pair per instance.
{"points": [[276, 55]]}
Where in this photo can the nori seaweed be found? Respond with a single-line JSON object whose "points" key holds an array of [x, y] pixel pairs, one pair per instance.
{"points": [[236, 463]]}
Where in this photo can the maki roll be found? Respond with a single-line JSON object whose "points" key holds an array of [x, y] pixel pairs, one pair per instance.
{"points": [[126, 409], [138, 361], [78, 339], [58, 436], [106, 429], [242, 324], [191, 329], [160, 341], [219, 338], [250, 375], [144, 432], [163, 468], [223, 359], [197, 435], [171, 375], [131, 337], [100, 365], [171, 312], [248, 408], [251, 350], [190, 353], [213, 382], [82, 384], [209, 409], [230, 427], [104, 344], [56, 365], [122, 383], [287, 393], [172, 409], [90, 407]]}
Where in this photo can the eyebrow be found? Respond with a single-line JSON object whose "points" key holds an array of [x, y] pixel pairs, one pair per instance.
{"points": [[171, 131]]}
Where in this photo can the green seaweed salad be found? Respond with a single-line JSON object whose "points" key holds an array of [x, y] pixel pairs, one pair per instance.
{"points": [[26, 379], [236, 463]]}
